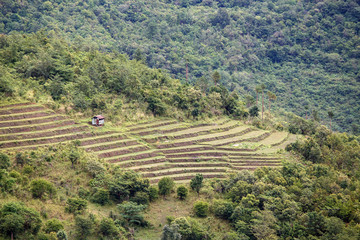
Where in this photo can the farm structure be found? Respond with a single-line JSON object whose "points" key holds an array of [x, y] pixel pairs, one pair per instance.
{"points": [[98, 120]]}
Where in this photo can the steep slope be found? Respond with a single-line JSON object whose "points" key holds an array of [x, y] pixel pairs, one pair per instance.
{"points": [[304, 51]]}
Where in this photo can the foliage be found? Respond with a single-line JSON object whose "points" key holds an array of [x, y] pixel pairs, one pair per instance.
{"points": [[18, 220], [303, 52], [166, 184], [108, 228], [182, 192], [84, 227], [101, 196], [40, 187], [153, 193], [185, 228], [222, 209], [53, 225], [201, 208], [75, 205], [131, 212], [196, 183], [4, 161]]}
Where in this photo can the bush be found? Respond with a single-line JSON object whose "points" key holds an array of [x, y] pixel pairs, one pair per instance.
{"points": [[201, 208], [165, 185], [75, 205], [101, 196], [84, 227], [141, 198], [108, 228], [53, 225], [222, 209], [182, 192], [61, 235], [4, 161], [153, 193], [40, 187]]}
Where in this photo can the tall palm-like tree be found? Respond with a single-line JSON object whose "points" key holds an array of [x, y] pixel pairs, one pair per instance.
{"points": [[262, 87], [257, 90], [271, 97], [331, 115]]}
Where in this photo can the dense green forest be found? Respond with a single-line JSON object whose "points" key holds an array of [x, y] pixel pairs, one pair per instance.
{"points": [[306, 52], [46, 69]]}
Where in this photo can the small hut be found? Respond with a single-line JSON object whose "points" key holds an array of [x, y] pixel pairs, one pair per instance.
{"points": [[98, 120]]}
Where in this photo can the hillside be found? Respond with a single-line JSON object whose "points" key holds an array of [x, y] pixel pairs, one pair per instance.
{"points": [[65, 179], [306, 52], [155, 148]]}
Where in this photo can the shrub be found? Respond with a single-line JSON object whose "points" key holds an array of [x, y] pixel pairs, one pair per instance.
{"points": [[61, 235], [131, 212], [153, 193], [197, 182], [108, 228], [75, 205], [141, 198], [182, 192], [83, 193], [83, 227], [53, 225], [222, 209], [101, 196], [165, 185], [201, 208], [4, 161], [40, 187]]}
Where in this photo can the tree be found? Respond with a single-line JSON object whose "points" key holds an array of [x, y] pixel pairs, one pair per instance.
{"points": [[272, 97], [108, 228], [53, 225], [165, 185], [17, 219], [182, 192], [331, 115], [196, 183], [39, 187], [131, 212], [254, 111], [257, 90], [262, 87], [83, 227], [249, 100], [101, 196], [201, 208], [216, 77], [4, 161], [75, 205], [74, 157]]}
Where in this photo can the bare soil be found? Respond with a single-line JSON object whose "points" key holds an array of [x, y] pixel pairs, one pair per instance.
{"points": [[122, 152], [43, 134], [22, 110], [36, 128], [25, 116], [29, 122]]}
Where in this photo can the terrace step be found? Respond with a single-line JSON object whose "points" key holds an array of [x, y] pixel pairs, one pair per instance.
{"points": [[32, 121], [22, 110], [41, 134], [37, 128], [21, 116], [17, 105]]}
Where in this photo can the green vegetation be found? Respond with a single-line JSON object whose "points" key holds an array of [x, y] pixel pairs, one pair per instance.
{"points": [[304, 52], [90, 81]]}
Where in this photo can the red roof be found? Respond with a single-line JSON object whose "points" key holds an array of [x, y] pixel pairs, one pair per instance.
{"points": [[99, 117]]}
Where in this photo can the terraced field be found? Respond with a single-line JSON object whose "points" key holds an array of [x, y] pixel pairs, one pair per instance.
{"points": [[156, 148]]}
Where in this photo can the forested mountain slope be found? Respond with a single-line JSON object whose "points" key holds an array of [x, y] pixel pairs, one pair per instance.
{"points": [[306, 52]]}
